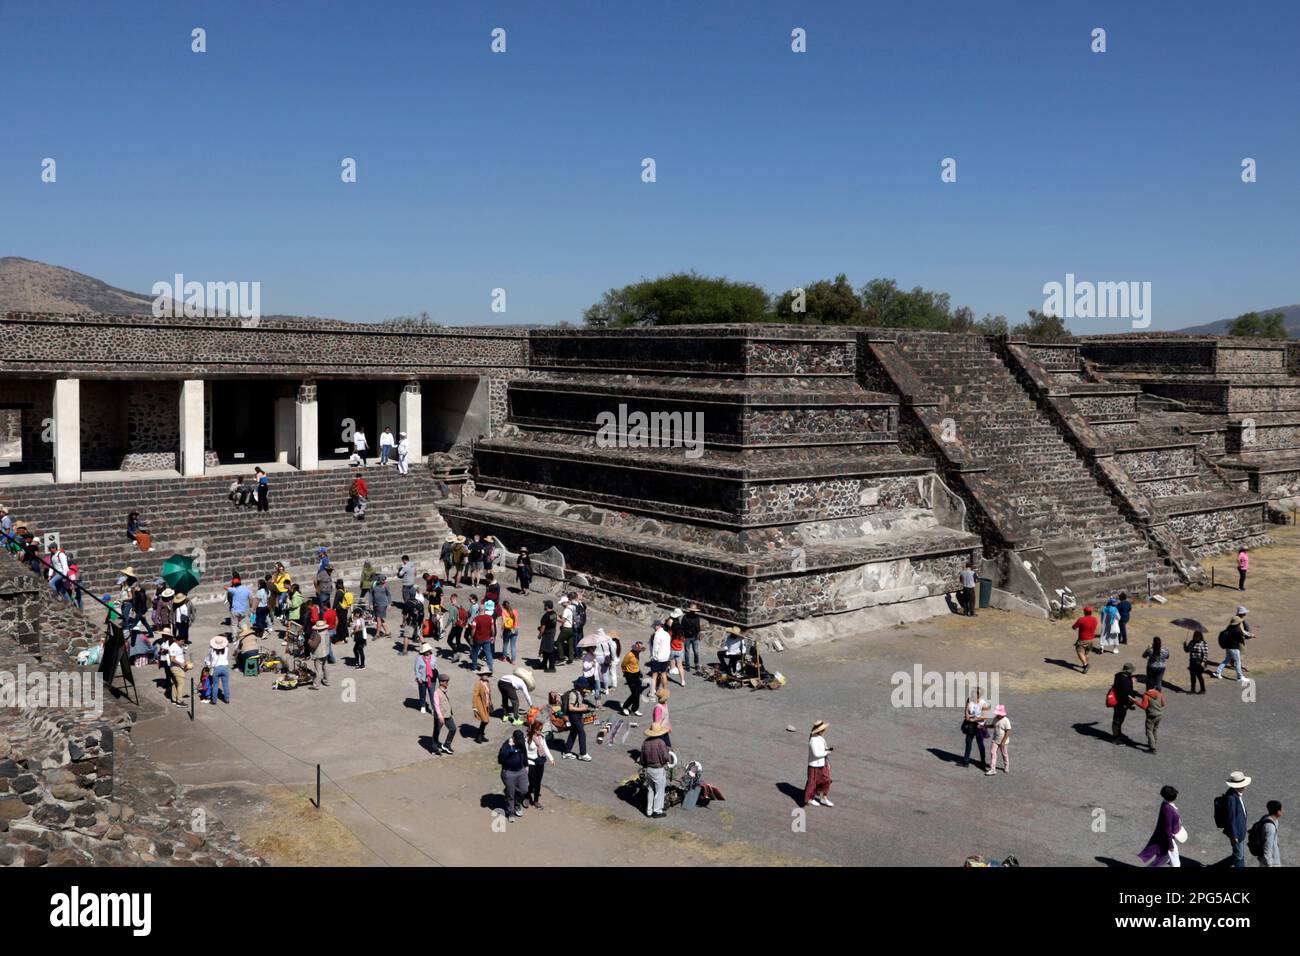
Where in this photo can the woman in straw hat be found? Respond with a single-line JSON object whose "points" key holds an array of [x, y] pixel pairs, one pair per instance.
{"points": [[482, 703], [659, 715], [816, 793], [655, 758], [218, 665]]}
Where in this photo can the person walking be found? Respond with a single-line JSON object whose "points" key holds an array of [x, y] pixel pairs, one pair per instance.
{"points": [[546, 636], [240, 598], [1085, 628], [385, 445], [403, 454], [218, 665], [513, 758], [968, 582], [1230, 815], [676, 647], [445, 556], [1270, 850], [1157, 658], [1197, 652], [1125, 607], [1162, 847], [1243, 566], [360, 445], [1121, 700], [380, 600], [360, 635], [660, 655], [1108, 640], [482, 633], [509, 632], [972, 727], [566, 648], [654, 758], [524, 570], [481, 704], [1232, 639], [816, 792], [359, 497], [426, 677], [539, 755], [631, 668], [1000, 730], [691, 637], [443, 718], [1153, 702], [576, 708]]}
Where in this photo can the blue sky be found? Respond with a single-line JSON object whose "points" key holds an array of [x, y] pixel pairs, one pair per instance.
{"points": [[523, 170]]}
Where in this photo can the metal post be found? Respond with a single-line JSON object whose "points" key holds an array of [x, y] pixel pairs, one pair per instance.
{"points": [[318, 786], [192, 698]]}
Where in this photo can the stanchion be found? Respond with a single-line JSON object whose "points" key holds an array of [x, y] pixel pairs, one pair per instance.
{"points": [[318, 786], [192, 698]]}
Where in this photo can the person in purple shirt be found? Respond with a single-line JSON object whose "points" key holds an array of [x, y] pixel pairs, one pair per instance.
{"points": [[1162, 848]]}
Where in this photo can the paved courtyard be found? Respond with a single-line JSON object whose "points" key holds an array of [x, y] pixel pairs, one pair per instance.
{"points": [[1073, 798]]}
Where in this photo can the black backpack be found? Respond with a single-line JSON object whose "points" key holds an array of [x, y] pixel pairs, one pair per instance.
{"points": [[579, 616], [1221, 817], [1223, 640], [1255, 837]]}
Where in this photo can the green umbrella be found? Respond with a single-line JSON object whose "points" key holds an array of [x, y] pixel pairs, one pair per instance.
{"points": [[180, 573]]}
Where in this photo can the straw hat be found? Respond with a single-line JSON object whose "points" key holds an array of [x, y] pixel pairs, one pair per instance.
{"points": [[460, 539], [820, 727], [180, 598], [677, 612], [693, 607], [1236, 780], [164, 632], [128, 571], [1241, 611], [168, 592], [733, 630], [426, 648], [218, 643], [450, 539], [655, 730], [246, 630], [525, 674], [320, 626]]}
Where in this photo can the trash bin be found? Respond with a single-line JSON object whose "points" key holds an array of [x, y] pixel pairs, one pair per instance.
{"points": [[986, 591]]}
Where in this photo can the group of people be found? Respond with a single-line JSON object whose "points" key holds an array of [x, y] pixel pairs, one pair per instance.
{"points": [[58, 568], [390, 449], [242, 494], [1104, 634], [1260, 839]]}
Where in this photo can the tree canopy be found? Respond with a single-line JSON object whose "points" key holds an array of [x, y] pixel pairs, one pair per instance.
{"points": [[1272, 325]]}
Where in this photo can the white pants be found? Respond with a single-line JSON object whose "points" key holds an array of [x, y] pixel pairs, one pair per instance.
{"points": [[401, 464]]}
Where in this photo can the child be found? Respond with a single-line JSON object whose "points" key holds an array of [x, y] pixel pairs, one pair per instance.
{"points": [[205, 683], [591, 670]]}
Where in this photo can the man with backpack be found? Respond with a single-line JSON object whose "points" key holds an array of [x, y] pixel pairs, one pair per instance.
{"points": [[1261, 841], [1232, 639], [1230, 815], [575, 708]]}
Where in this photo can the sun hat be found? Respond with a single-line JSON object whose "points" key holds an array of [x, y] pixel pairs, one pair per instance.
{"points": [[523, 549], [1241, 611], [168, 592], [693, 607], [180, 598], [820, 727], [450, 538], [733, 630], [128, 571], [426, 648], [1001, 710], [1236, 780], [444, 678], [677, 612], [218, 643], [246, 630], [320, 626], [164, 632], [525, 674], [656, 730]]}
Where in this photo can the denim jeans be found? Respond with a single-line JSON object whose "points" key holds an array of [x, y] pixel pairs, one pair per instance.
{"points": [[481, 648], [509, 642], [424, 692], [1230, 656], [977, 738], [1238, 852], [221, 679], [383, 453], [691, 646]]}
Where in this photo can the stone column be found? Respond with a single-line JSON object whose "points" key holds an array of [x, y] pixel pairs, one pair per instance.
{"points": [[410, 419], [286, 422], [67, 430], [193, 430], [306, 422]]}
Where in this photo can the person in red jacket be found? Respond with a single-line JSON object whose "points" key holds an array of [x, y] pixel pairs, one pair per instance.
{"points": [[1086, 626]]}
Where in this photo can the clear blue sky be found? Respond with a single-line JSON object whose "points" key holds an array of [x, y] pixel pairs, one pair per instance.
{"points": [[523, 170]]}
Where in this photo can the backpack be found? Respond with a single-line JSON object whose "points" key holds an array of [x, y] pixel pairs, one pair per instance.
{"points": [[568, 701], [1255, 837], [579, 616], [1223, 639], [1221, 817], [313, 641]]}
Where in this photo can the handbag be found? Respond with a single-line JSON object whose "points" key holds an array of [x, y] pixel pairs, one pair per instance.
{"points": [[1181, 835], [1111, 699]]}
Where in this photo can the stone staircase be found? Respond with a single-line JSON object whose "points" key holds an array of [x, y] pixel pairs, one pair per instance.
{"points": [[193, 516], [1063, 508]]}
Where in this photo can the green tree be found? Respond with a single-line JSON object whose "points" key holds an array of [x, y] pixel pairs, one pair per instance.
{"points": [[683, 298], [420, 321], [1254, 325], [825, 303], [885, 304], [1042, 328]]}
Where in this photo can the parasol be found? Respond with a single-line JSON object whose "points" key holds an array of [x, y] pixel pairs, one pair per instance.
{"points": [[180, 573]]}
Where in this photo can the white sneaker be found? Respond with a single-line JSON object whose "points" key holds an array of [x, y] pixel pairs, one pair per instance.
{"points": [[814, 802], [826, 803], [424, 710]]}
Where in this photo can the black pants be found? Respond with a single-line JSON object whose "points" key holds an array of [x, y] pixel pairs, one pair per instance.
{"points": [[453, 637], [971, 601], [261, 498], [509, 699], [730, 663], [567, 643], [535, 772], [633, 701], [578, 732], [1197, 674], [1241, 580], [548, 661], [482, 726], [359, 652], [1117, 720], [977, 738]]}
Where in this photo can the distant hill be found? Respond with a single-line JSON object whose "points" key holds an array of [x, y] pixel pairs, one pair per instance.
{"points": [[1290, 316], [28, 286]]}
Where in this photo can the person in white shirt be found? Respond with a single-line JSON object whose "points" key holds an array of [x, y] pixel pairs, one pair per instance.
{"points": [[968, 598], [403, 451], [733, 650], [385, 445], [511, 687], [173, 657], [360, 445], [816, 793], [660, 652], [59, 562]]}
